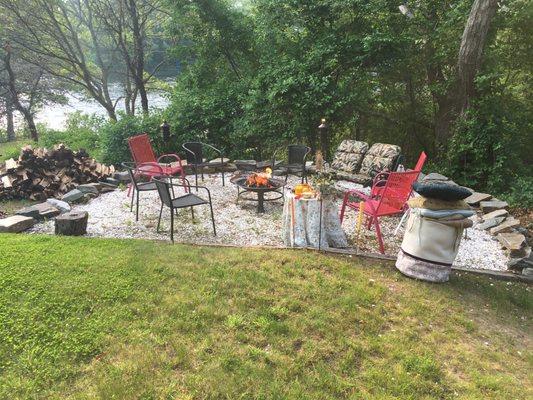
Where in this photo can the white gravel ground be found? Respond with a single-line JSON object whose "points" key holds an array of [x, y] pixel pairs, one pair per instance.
{"points": [[239, 224]]}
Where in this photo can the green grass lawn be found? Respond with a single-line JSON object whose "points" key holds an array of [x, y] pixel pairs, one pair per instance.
{"points": [[122, 319]]}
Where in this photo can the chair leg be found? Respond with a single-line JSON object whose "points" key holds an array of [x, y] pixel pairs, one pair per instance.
{"points": [[137, 208], [196, 177], [192, 213], [172, 224], [343, 207], [369, 223], [378, 234], [223, 184], [132, 197], [213, 218], [159, 220]]}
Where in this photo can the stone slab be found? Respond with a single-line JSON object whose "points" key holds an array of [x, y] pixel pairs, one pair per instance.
{"points": [[73, 196], [39, 211], [495, 214], [61, 205], [16, 223], [112, 181], [490, 223], [476, 198], [88, 188], [492, 205], [511, 241], [506, 226], [527, 271], [123, 176]]}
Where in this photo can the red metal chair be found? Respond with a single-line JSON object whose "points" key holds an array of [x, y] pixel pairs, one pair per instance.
{"points": [[142, 153], [382, 176], [390, 201]]}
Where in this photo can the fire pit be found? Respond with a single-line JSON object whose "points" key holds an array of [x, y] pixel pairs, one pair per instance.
{"points": [[260, 183]]}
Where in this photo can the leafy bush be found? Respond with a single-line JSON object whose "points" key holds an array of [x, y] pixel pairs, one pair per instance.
{"points": [[521, 193], [114, 135], [81, 132]]}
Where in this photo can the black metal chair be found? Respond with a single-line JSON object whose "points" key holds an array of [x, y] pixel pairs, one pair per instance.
{"points": [[194, 153], [187, 200], [295, 164], [138, 186]]}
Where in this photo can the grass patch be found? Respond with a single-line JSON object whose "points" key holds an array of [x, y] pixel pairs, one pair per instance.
{"points": [[12, 149], [88, 318]]}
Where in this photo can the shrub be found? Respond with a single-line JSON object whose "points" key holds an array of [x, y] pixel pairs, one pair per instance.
{"points": [[521, 193], [114, 135], [81, 132]]}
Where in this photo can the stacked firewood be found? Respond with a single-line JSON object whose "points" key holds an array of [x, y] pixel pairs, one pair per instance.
{"points": [[40, 173]]}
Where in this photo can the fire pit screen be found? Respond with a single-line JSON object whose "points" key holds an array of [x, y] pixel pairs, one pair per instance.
{"points": [[260, 183]]}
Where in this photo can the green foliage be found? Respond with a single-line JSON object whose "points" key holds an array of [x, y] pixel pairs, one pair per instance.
{"points": [[521, 193], [114, 135], [81, 132], [131, 319]]}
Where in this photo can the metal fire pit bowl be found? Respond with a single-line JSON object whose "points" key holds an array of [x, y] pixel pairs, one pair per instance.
{"points": [[242, 187]]}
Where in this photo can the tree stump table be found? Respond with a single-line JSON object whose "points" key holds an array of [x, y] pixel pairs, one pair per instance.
{"points": [[312, 223], [73, 223]]}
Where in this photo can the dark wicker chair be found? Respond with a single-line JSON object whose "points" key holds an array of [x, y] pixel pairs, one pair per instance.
{"points": [[295, 164], [164, 188], [194, 153]]}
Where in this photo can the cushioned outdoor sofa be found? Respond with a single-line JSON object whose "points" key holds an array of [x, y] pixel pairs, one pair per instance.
{"points": [[355, 161]]}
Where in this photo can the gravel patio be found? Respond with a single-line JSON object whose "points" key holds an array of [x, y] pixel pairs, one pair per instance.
{"points": [[238, 224]]}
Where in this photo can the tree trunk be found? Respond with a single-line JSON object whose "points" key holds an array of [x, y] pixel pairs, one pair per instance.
{"points": [[471, 50], [9, 116], [13, 94], [138, 38]]}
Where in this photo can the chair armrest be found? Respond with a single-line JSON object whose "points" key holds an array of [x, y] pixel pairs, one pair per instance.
{"points": [[175, 156], [188, 186], [356, 193], [152, 165]]}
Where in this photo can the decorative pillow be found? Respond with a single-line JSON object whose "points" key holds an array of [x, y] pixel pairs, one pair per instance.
{"points": [[380, 157], [441, 190]]}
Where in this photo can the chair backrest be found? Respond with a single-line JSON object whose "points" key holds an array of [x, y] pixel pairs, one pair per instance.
{"points": [[397, 190], [194, 152], [141, 149], [297, 153], [163, 188], [131, 172], [421, 161], [349, 156], [380, 157]]}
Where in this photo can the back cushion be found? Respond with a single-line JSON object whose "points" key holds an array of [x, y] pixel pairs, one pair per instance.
{"points": [[349, 156], [380, 157]]}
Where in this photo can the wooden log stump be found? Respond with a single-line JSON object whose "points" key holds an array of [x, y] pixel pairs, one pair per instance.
{"points": [[73, 223]]}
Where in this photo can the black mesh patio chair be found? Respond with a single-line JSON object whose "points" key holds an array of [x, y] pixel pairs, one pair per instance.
{"points": [[295, 164], [187, 200], [138, 185], [194, 153]]}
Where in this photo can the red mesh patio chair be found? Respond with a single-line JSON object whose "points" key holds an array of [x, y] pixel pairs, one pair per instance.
{"points": [[142, 153], [390, 201], [382, 176]]}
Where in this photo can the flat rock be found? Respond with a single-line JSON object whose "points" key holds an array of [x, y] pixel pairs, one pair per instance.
{"points": [[72, 196], [490, 223], [511, 241], [39, 211], [523, 262], [495, 214], [476, 198], [123, 176], [523, 252], [505, 226], [493, 205], [61, 205], [434, 176], [527, 271], [112, 181], [16, 223], [217, 161], [88, 188]]}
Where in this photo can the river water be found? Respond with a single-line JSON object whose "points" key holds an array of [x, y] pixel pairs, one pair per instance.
{"points": [[54, 116]]}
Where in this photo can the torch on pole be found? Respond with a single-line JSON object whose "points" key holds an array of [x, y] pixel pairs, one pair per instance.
{"points": [[324, 138]]}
